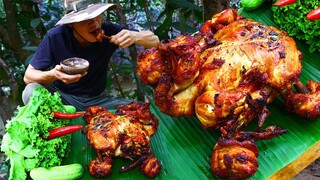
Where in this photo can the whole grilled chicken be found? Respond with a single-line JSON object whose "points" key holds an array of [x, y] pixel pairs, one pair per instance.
{"points": [[124, 134], [230, 70], [226, 75]]}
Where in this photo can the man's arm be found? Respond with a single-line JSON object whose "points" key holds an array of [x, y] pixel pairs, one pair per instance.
{"points": [[46, 77], [126, 38], [146, 39]]}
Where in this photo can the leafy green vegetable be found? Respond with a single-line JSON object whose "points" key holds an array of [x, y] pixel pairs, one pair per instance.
{"points": [[23, 143], [292, 19]]}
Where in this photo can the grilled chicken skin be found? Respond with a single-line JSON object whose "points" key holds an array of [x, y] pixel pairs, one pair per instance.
{"points": [[124, 134]]}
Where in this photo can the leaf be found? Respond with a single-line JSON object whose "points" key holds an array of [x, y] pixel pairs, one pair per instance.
{"points": [[176, 4], [35, 22], [149, 24], [162, 30], [189, 29], [30, 48]]}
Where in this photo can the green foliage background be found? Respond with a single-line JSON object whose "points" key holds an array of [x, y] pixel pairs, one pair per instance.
{"points": [[34, 18]]}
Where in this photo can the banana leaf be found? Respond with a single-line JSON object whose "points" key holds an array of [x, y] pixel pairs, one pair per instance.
{"points": [[184, 147]]}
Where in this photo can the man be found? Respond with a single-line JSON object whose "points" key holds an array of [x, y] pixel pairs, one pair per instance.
{"points": [[75, 36]]}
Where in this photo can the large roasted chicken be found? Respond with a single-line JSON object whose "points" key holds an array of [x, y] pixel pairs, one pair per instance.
{"points": [[226, 75], [124, 134]]}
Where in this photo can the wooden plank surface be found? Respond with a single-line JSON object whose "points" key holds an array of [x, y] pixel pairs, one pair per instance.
{"points": [[295, 167]]}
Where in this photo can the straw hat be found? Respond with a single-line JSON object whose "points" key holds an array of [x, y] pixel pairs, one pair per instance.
{"points": [[81, 10]]}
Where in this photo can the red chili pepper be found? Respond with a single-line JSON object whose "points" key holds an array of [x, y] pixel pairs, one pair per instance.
{"points": [[284, 2], [61, 131], [61, 115], [314, 14]]}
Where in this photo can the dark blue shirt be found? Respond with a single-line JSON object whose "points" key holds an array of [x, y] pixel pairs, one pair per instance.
{"points": [[60, 43]]}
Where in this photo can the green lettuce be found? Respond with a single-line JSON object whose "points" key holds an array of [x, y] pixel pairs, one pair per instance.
{"points": [[23, 143], [292, 19]]}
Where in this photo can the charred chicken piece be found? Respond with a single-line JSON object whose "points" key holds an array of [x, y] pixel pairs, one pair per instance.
{"points": [[150, 165], [124, 134], [100, 167], [151, 66], [233, 159], [306, 102], [172, 76], [99, 33], [235, 155], [140, 112], [219, 21]]}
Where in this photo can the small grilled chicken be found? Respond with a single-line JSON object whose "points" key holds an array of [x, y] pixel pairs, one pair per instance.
{"points": [[124, 134]]}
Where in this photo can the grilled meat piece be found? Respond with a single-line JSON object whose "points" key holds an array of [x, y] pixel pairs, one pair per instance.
{"points": [[305, 103], [151, 66], [99, 33], [235, 154], [233, 159], [124, 134]]}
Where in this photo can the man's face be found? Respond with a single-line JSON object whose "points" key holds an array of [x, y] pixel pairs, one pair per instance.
{"points": [[87, 28]]}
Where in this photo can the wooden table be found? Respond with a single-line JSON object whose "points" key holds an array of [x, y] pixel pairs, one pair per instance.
{"points": [[294, 168]]}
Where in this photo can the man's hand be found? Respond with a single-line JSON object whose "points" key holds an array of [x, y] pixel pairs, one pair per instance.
{"points": [[66, 78], [124, 38]]}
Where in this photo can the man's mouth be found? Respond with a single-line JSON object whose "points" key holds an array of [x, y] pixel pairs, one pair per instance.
{"points": [[95, 31]]}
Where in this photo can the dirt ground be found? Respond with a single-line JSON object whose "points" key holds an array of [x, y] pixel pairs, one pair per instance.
{"points": [[312, 172]]}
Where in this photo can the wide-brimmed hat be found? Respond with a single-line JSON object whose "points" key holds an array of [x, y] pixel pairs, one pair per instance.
{"points": [[81, 10]]}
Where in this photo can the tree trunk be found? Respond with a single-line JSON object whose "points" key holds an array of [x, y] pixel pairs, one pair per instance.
{"points": [[13, 39], [212, 7], [5, 108]]}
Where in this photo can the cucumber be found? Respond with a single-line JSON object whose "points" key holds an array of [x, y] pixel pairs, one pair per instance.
{"points": [[251, 4], [63, 172], [70, 109]]}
